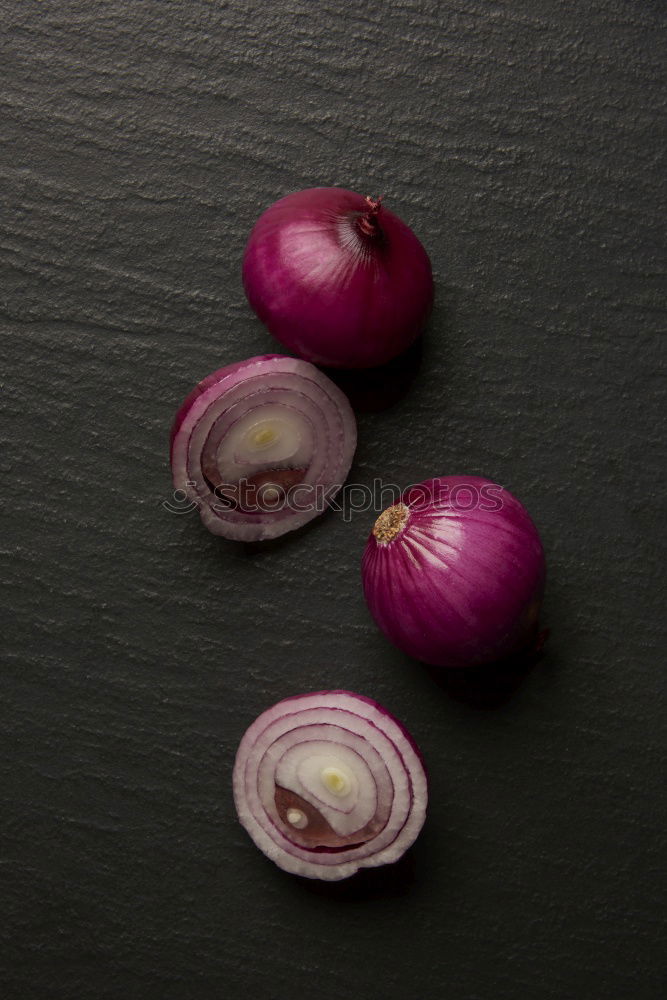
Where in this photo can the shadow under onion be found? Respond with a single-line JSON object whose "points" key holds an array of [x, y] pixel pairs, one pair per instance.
{"points": [[372, 390], [492, 684], [386, 881]]}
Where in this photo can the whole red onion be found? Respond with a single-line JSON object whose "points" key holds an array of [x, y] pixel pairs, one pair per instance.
{"points": [[454, 573], [338, 278], [328, 783], [261, 446]]}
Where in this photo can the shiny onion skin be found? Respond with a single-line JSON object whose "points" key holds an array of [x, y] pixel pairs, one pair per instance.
{"points": [[454, 573], [261, 446], [338, 278], [328, 783]]}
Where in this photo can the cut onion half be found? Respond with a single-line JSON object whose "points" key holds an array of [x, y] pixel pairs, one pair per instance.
{"points": [[328, 783], [261, 447]]}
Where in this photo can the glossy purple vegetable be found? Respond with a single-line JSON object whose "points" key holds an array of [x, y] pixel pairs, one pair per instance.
{"points": [[338, 278], [328, 783], [261, 446], [454, 573]]}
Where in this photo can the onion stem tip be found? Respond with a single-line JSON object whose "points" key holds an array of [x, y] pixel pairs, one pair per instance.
{"points": [[390, 523]]}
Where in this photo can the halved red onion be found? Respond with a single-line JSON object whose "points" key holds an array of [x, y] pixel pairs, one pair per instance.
{"points": [[328, 783], [454, 573], [262, 446]]}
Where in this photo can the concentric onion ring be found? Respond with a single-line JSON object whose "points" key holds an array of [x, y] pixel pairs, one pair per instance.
{"points": [[328, 783], [262, 446]]}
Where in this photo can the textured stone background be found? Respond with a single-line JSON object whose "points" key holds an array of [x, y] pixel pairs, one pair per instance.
{"points": [[140, 140]]}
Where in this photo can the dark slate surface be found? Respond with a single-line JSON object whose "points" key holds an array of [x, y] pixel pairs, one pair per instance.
{"points": [[140, 142]]}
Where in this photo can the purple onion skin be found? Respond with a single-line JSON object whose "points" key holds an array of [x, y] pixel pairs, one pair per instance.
{"points": [[457, 587], [328, 290]]}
